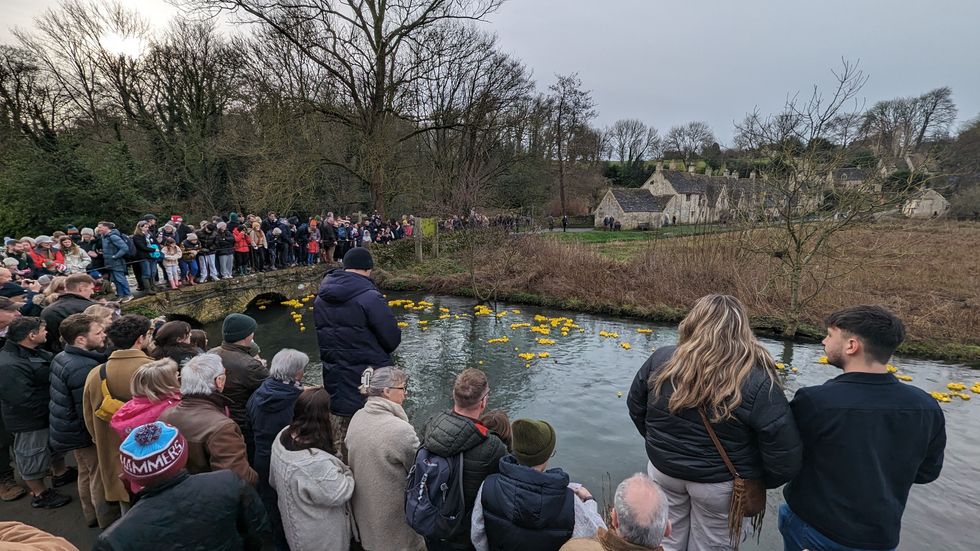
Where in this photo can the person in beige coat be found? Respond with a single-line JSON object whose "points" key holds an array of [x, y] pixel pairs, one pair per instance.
{"points": [[381, 446], [129, 335]]}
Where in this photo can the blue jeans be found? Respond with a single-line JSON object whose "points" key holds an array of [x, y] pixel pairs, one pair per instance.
{"points": [[119, 280], [798, 535]]}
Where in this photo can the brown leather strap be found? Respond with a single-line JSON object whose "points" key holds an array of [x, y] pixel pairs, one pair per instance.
{"points": [[718, 446]]}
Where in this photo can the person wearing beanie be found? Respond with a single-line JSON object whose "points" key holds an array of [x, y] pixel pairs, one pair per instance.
{"points": [[178, 510], [243, 370], [527, 505], [355, 329]]}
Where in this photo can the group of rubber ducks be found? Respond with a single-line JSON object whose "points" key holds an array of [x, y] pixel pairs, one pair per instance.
{"points": [[953, 390]]}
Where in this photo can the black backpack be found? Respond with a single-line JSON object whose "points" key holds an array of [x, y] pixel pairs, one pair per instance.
{"points": [[435, 506], [131, 246]]}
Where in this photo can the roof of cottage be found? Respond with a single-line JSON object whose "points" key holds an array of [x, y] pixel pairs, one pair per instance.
{"points": [[640, 200]]}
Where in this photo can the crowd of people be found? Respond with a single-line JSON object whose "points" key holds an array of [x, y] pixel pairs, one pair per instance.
{"points": [[183, 446]]}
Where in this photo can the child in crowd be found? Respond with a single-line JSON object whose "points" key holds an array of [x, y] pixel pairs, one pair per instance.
{"points": [[172, 254]]}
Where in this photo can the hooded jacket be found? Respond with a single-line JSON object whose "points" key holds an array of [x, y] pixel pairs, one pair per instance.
{"points": [[761, 439], [69, 369], [114, 251], [269, 410], [448, 434], [355, 329]]}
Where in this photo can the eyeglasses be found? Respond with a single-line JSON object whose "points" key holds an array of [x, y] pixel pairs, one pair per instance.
{"points": [[402, 388]]}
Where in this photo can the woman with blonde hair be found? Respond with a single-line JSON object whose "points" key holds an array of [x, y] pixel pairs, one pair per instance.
{"points": [[155, 388], [105, 313], [718, 380]]}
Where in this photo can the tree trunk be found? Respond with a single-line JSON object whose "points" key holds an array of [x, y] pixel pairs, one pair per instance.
{"points": [[792, 318]]}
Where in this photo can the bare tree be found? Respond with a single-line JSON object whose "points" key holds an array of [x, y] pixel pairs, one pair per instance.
{"points": [[374, 53], [797, 199], [690, 139], [571, 109], [632, 142], [29, 103], [900, 127]]}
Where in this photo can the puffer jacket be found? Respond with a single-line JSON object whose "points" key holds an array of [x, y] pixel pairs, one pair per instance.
{"points": [[55, 313], [527, 509], [448, 434], [224, 243], [244, 376], [355, 330], [269, 410], [761, 440], [214, 511], [24, 384], [69, 370]]}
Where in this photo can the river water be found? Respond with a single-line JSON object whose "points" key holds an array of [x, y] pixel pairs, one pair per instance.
{"points": [[577, 389]]}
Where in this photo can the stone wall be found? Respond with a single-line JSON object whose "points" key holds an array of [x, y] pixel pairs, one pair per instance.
{"points": [[209, 302]]}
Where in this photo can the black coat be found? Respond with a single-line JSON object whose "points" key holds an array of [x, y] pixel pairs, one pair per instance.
{"points": [[56, 312], [144, 249], [527, 509], [355, 329], [224, 243], [68, 372], [24, 382], [761, 439], [269, 410], [448, 434], [214, 511]]}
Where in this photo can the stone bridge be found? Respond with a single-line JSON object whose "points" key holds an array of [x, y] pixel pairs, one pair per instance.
{"points": [[208, 302]]}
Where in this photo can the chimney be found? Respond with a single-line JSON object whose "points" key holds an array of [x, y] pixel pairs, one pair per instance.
{"points": [[707, 170], [691, 167], [660, 166], [672, 165], [752, 175]]}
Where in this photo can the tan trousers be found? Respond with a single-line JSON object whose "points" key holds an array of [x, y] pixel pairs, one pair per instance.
{"points": [[338, 428], [698, 513], [91, 492]]}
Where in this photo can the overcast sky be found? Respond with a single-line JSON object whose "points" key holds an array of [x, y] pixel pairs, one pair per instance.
{"points": [[669, 62]]}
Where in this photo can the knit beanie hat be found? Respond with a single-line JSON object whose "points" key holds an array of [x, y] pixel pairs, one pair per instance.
{"points": [[533, 441], [358, 258], [237, 326], [87, 231], [222, 226], [153, 453], [10, 262]]}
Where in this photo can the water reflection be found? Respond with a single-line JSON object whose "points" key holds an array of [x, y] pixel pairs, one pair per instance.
{"points": [[576, 390]]}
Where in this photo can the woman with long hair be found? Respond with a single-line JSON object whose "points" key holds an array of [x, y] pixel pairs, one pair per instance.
{"points": [[718, 376], [313, 485], [173, 340], [381, 446], [76, 260]]}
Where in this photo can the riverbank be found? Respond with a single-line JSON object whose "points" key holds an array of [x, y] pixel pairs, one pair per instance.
{"points": [[928, 273]]}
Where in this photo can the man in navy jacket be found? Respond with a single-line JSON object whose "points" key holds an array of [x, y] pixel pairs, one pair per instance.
{"points": [[355, 330], [867, 438]]}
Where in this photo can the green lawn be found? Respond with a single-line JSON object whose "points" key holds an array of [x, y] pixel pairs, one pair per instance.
{"points": [[599, 236]]}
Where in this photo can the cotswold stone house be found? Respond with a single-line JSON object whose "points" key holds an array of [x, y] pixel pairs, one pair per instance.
{"points": [[925, 204], [633, 208], [698, 198]]}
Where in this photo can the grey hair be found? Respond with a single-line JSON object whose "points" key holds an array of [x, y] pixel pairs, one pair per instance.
{"points": [[287, 364], [644, 527], [198, 374], [374, 381]]}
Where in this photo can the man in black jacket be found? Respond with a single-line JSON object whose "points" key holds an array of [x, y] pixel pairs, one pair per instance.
{"points": [[449, 433], [9, 489], [867, 438], [217, 511], [84, 338], [24, 372], [76, 298]]}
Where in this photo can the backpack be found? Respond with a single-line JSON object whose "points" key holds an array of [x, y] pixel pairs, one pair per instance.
{"points": [[131, 247], [434, 502]]}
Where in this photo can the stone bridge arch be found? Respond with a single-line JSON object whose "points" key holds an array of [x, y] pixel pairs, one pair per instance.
{"points": [[209, 302]]}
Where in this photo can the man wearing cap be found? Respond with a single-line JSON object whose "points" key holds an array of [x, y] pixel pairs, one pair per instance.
{"points": [[527, 505], [355, 329], [177, 510], [244, 371]]}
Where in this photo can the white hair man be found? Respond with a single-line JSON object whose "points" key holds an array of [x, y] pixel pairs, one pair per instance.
{"points": [[638, 520], [214, 440]]}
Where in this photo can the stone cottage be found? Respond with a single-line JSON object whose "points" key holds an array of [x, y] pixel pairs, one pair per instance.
{"points": [[633, 208], [927, 203], [699, 198]]}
